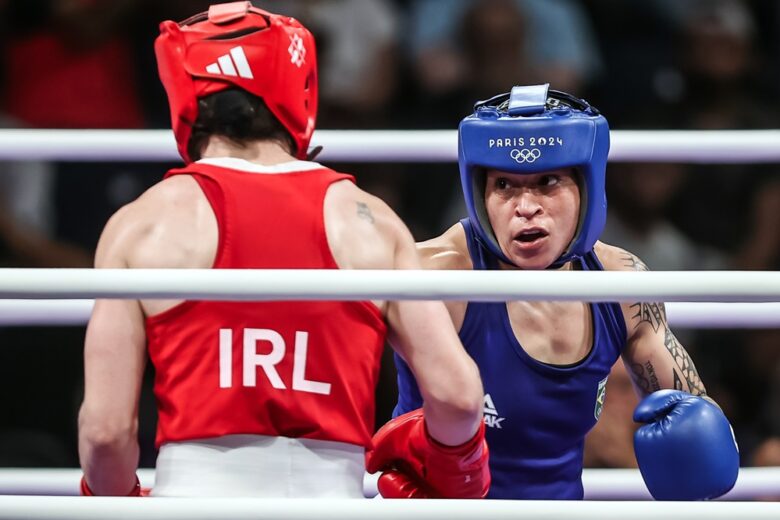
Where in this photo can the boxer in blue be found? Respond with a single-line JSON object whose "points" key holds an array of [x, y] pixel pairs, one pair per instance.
{"points": [[532, 166]]}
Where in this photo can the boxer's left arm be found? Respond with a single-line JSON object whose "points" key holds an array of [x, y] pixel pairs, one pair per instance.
{"points": [[685, 448], [114, 361], [654, 357]]}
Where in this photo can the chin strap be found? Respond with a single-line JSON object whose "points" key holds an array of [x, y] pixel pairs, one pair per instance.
{"points": [[313, 153]]}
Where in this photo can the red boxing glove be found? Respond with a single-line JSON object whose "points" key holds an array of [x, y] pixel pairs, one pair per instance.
{"points": [[414, 465], [137, 491]]}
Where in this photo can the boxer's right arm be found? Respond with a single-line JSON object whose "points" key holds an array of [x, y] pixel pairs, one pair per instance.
{"points": [[364, 233], [441, 452], [424, 336]]}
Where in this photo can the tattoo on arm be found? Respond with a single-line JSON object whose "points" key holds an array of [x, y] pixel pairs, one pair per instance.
{"points": [[685, 372], [633, 262], [645, 378], [364, 212], [653, 314]]}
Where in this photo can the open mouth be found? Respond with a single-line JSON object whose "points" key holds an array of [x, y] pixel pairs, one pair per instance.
{"points": [[530, 237]]}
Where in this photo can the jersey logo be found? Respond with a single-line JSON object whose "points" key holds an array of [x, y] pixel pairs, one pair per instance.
{"points": [[601, 394], [492, 420], [251, 360], [232, 64]]}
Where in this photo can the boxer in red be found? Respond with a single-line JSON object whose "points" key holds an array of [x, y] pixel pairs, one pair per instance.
{"points": [[270, 399]]}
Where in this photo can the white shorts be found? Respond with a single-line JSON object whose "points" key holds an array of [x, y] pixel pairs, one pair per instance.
{"points": [[260, 466]]}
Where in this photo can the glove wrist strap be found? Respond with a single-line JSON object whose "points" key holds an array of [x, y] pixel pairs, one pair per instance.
{"points": [[466, 447], [87, 492]]}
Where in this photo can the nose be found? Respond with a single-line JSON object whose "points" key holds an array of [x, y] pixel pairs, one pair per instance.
{"points": [[527, 204]]}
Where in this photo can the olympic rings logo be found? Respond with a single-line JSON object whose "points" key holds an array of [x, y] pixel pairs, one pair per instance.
{"points": [[525, 155]]}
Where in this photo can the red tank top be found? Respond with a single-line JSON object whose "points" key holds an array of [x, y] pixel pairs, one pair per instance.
{"points": [[292, 369]]}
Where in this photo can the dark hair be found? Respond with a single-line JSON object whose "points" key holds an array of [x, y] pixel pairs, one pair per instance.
{"points": [[238, 116]]}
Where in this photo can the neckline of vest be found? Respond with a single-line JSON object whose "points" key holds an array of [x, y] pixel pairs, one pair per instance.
{"points": [[552, 368], [234, 163]]}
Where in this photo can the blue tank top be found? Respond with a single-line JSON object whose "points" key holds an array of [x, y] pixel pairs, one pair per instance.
{"points": [[536, 414]]}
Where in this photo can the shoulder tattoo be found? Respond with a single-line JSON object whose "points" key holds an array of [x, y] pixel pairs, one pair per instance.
{"points": [[364, 212], [633, 262]]}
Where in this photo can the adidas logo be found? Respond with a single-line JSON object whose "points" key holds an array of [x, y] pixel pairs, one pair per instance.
{"points": [[492, 420], [232, 64]]}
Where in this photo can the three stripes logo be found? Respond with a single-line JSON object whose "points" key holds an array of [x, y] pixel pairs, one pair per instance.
{"points": [[232, 64]]}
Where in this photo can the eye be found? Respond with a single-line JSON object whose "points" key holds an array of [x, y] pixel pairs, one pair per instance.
{"points": [[501, 183], [549, 180]]}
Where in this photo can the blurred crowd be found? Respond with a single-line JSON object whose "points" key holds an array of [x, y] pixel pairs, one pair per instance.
{"points": [[403, 64]]}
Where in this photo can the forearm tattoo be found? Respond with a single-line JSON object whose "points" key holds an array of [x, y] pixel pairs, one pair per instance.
{"points": [[684, 374], [645, 378], [364, 212]]}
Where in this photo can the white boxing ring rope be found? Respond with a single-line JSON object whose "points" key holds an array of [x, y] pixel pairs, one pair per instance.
{"points": [[707, 312], [334, 284], [56, 508], [705, 147], [599, 484], [700, 315]]}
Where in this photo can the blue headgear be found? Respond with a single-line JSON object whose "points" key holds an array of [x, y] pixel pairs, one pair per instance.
{"points": [[530, 131]]}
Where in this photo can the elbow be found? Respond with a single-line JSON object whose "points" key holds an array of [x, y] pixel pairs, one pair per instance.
{"points": [[463, 399], [108, 453], [472, 395], [453, 414], [100, 434], [105, 439], [466, 407]]}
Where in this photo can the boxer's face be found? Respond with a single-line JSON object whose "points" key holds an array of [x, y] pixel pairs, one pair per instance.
{"points": [[534, 217]]}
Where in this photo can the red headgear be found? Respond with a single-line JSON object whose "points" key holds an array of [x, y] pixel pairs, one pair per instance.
{"points": [[238, 45]]}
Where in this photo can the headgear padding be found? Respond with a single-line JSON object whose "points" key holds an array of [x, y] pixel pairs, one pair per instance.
{"points": [[236, 45]]}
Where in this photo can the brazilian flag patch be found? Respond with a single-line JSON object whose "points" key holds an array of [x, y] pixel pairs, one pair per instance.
{"points": [[601, 393]]}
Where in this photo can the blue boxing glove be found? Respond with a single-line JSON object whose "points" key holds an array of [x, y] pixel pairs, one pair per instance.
{"points": [[686, 450]]}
